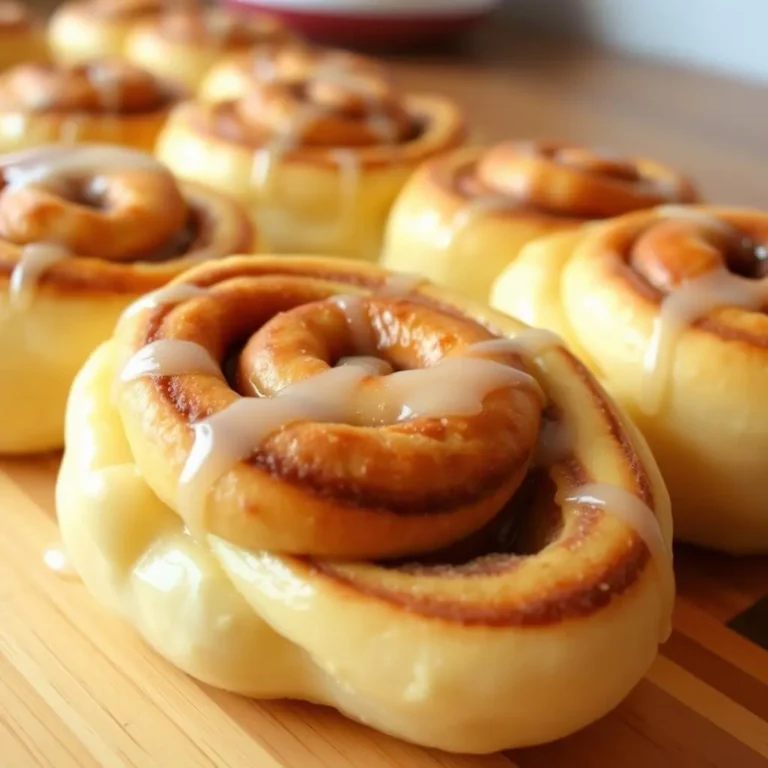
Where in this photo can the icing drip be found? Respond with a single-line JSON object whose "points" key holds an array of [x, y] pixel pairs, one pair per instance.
{"points": [[35, 260], [374, 365], [638, 516], [692, 301], [170, 357], [401, 283], [58, 161], [530, 342], [354, 309], [345, 394], [70, 129]]}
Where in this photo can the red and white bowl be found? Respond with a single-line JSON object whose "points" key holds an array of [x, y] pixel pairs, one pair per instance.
{"points": [[376, 22]]}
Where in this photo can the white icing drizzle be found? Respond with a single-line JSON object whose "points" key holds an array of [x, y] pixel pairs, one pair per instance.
{"points": [[692, 301], [530, 342], [107, 83], [454, 387], [35, 260], [469, 212], [56, 161], [374, 365], [354, 308], [170, 357], [55, 558], [169, 294], [266, 159], [401, 284], [70, 128], [638, 516], [349, 181]]}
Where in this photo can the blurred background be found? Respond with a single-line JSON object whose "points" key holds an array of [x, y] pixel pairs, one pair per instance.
{"points": [[722, 36]]}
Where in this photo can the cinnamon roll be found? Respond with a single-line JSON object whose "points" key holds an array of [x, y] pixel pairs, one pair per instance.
{"points": [[84, 231], [463, 218], [81, 30], [184, 43], [670, 308], [22, 37], [105, 100], [232, 77], [318, 149], [420, 511]]}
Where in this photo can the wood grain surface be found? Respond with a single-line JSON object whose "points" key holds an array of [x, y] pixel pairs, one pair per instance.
{"points": [[78, 688]]}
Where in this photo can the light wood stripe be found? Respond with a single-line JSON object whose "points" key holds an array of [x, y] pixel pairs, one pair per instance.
{"points": [[706, 701]]}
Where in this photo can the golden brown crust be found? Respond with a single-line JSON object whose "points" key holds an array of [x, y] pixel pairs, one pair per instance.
{"points": [[296, 288], [120, 241], [313, 101], [661, 249], [105, 86], [562, 181]]}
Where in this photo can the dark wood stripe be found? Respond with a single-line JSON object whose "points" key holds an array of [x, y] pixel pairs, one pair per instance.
{"points": [[753, 624], [651, 729], [738, 685]]}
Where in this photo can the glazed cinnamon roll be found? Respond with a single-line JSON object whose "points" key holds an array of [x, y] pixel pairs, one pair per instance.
{"points": [[184, 43], [463, 218], [232, 77], [318, 149], [22, 37], [81, 30], [84, 230], [105, 100], [420, 511], [670, 308]]}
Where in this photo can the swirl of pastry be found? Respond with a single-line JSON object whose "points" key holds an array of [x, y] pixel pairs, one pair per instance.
{"points": [[318, 146], [22, 37], [186, 42], [81, 30], [106, 100], [84, 231], [669, 306], [416, 507], [234, 75], [463, 218]]}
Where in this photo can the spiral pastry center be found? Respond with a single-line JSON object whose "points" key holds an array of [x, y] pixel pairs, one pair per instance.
{"points": [[574, 182], [331, 395], [105, 202], [333, 101], [104, 86], [671, 252]]}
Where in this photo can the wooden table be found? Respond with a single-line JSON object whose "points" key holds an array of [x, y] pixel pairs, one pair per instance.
{"points": [[77, 688]]}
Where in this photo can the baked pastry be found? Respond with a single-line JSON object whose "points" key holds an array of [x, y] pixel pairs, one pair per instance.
{"points": [[670, 308], [184, 43], [106, 100], [22, 37], [318, 150], [81, 30], [246, 479], [232, 77], [84, 230], [463, 217]]}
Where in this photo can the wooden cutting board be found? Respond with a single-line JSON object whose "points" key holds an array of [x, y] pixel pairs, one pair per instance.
{"points": [[79, 688]]}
